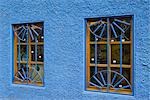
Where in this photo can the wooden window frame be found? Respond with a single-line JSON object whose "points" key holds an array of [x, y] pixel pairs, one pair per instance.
{"points": [[29, 62], [89, 65]]}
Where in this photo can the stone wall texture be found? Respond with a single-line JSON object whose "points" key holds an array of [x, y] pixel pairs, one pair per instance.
{"points": [[64, 48]]}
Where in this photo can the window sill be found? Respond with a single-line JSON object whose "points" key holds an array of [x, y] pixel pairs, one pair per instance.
{"points": [[14, 84], [121, 91]]}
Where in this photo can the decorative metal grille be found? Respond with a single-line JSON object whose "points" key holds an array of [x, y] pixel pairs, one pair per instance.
{"points": [[108, 36], [29, 53]]}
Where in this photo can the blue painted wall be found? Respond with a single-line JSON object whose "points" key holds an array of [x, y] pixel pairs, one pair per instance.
{"points": [[65, 46]]}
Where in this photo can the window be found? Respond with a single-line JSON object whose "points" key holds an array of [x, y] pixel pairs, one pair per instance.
{"points": [[28, 54], [109, 54]]}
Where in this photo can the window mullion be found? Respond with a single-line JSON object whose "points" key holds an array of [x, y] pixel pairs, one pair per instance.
{"points": [[27, 52], [36, 41], [108, 54], [19, 55], [29, 44], [121, 54], [95, 55]]}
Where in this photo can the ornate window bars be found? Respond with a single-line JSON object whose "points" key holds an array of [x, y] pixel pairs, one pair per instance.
{"points": [[28, 53], [109, 54]]}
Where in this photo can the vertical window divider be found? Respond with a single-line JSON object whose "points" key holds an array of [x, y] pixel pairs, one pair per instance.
{"points": [[27, 52], [29, 61], [121, 54], [95, 55], [36, 52], [19, 57], [108, 54]]}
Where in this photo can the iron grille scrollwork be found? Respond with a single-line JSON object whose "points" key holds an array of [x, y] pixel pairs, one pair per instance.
{"points": [[29, 71], [109, 29]]}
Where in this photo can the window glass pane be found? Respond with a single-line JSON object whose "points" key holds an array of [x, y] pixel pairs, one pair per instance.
{"points": [[101, 54], [120, 26], [92, 37], [33, 53], [38, 73], [92, 53], [41, 36], [20, 33], [21, 74], [99, 77], [40, 53], [23, 55], [126, 54], [39, 31], [23, 37], [115, 55], [100, 34], [126, 74]]}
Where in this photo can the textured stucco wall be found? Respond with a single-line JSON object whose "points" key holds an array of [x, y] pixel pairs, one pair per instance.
{"points": [[65, 46]]}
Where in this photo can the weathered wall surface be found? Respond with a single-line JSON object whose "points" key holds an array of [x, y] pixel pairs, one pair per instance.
{"points": [[65, 46]]}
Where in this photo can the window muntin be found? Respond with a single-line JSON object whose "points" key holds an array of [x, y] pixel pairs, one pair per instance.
{"points": [[109, 54], [28, 54]]}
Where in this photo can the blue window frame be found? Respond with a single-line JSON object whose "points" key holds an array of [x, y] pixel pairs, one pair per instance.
{"points": [[109, 54], [28, 53]]}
